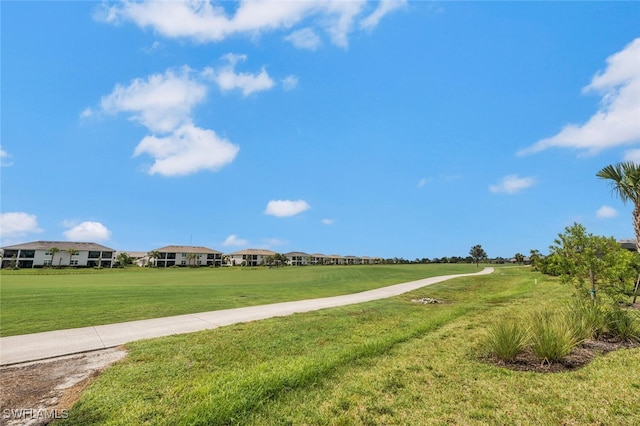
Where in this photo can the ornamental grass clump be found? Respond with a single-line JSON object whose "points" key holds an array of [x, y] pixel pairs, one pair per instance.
{"points": [[553, 335], [623, 324], [588, 318], [507, 339]]}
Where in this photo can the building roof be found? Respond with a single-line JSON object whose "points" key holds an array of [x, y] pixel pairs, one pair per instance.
{"points": [[296, 253], [628, 244], [188, 249], [62, 245], [254, 251]]}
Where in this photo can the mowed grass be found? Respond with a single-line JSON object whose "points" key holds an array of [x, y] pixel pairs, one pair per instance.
{"points": [[385, 362], [42, 300]]}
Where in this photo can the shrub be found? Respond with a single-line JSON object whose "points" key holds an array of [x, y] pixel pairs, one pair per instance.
{"points": [[553, 335], [507, 339]]}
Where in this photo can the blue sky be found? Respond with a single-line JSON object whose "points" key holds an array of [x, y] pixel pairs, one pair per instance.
{"points": [[392, 129]]}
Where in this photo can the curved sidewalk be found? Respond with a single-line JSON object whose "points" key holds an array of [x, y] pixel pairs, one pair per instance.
{"points": [[50, 344]]}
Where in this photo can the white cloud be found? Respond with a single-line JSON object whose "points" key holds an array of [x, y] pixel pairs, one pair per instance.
{"points": [[149, 50], [160, 102], [616, 122], [328, 221], [203, 21], [86, 113], [422, 182], [188, 149], [290, 82], [384, 7], [88, 231], [163, 103], [632, 155], [339, 18], [233, 240], [228, 79], [305, 38], [273, 242], [512, 184], [286, 208], [3, 156], [606, 212], [18, 224]]}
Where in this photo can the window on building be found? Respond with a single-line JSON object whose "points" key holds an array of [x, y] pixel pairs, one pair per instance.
{"points": [[30, 254]]}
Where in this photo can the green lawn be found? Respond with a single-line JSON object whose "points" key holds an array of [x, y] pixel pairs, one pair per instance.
{"points": [[42, 300], [385, 362]]}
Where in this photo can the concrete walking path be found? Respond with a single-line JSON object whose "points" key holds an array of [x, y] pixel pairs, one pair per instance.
{"points": [[50, 344]]}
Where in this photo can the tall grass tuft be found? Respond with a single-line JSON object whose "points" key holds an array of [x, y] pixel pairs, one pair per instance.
{"points": [[507, 339], [623, 324], [553, 335], [589, 319]]}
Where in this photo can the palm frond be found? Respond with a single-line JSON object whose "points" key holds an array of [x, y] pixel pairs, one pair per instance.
{"points": [[624, 180]]}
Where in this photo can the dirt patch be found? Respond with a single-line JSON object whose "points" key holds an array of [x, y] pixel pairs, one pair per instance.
{"points": [[37, 392], [578, 358]]}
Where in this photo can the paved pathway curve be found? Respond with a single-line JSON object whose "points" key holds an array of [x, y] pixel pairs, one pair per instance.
{"points": [[32, 347]]}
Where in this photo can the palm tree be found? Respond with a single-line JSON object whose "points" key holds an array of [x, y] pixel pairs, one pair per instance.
{"points": [[72, 252], [519, 258], [52, 252], [625, 183], [534, 258], [153, 255], [192, 257]]}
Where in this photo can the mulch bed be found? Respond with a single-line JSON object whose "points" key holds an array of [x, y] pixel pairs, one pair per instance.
{"points": [[578, 358]]}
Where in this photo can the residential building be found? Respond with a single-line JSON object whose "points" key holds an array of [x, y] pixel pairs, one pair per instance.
{"points": [[248, 257], [628, 244], [352, 260], [38, 254], [334, 259], [187, 256], [298, 258], [318, 259]]}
